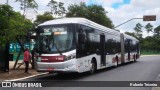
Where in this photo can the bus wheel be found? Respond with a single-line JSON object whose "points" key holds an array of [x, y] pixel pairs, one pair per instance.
{"points": [[93, 67]]}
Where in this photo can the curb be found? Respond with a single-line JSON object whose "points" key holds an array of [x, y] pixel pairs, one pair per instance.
{"points": [[27, 77]]}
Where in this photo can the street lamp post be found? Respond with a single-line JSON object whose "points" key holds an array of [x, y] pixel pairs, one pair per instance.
{"points": [[126, 22], [7, 2], [145, 18], [7, 46]]}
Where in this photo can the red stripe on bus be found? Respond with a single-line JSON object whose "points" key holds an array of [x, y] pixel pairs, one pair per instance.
{"points": [[115, 60]]}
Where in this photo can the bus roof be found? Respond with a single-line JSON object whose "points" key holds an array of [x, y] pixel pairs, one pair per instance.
{"points": [[82, 21]]}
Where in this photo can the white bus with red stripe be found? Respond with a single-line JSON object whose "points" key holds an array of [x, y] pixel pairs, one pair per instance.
{"points": [[80, 45]]}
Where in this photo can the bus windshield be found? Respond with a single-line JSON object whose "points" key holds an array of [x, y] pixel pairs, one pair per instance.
{"points": [[54, 39]]}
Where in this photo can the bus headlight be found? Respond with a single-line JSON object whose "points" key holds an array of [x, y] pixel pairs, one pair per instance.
{"points": [[70, 57]]}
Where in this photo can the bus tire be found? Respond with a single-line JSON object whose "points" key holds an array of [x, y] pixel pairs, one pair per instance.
{"points": [[93, 67]]}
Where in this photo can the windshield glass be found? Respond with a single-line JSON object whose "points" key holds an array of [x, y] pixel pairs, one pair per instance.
{"points": [[55, 38]]}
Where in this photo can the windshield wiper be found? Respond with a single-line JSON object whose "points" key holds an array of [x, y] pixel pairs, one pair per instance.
{"points": [[58, 49]]}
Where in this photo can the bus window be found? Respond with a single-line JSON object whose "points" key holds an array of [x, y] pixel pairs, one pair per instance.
{"points": [[81, 39], [85, 40]]}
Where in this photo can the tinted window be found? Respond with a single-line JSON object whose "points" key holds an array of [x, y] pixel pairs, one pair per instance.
{"points": [[55, 38]]}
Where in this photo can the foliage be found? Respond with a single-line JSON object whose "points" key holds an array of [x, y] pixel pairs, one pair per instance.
{"points": [[149, 28], [12, 24], [156, 36], [61, 9], [138, 31], [94, 13], [57, 8], [157, 31], [42, 18], [27, 4], [131, 34], [149, 43]]}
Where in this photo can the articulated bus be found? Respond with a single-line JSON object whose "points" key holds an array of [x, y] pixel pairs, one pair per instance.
{"points": [[80, 45]]}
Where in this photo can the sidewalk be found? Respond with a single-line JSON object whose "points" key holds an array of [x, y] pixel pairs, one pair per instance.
{"points": [[17, 73]]}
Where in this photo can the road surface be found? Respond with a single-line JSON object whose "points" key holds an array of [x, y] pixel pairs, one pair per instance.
{"points": [[147, 68]]}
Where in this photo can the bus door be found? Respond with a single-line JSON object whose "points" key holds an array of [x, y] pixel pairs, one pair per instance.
{"points": [[128, 49], [102, 50]]}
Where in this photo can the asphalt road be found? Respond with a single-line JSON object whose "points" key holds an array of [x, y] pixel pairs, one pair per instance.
{"points": [[147, 68]]}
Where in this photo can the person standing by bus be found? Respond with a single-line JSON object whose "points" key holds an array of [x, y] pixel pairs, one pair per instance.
{"points": [[26, 59]]}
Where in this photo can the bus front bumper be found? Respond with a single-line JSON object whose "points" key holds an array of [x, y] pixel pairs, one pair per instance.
{"points": [[66, 66]]}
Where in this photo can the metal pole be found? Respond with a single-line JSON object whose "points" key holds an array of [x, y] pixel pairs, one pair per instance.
{"points": [[126, 22], [7, 2], [7, 48]]}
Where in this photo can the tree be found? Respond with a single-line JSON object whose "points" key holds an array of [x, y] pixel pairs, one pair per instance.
{"points": [[131, 34], [12, 24], [42, 18], [138, 31], [27, 4], [149, 28], [94, 13], [152, 43], [6, 12], [53, 6], [157, 31], [157, 37], [57, 8], [148, 43], [61, 10]]}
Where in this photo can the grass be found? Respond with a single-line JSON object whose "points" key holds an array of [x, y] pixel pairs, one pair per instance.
{"points": [[149, 52]]}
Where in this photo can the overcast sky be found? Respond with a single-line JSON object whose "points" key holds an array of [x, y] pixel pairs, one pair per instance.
{"points": [[119, 11]]}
